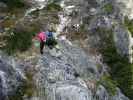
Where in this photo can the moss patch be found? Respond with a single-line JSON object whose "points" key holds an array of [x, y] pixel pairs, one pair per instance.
{"points": [[108, 8], [129, 24], [109, 84]]}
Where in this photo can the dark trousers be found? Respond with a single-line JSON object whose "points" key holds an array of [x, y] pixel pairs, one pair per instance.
{"points": [[41, 46], [51, 42]]}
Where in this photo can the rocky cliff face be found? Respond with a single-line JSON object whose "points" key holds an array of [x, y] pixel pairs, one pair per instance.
{"points": [[126, 7], [71, 75], [75, 70], [11, 78], [67, 74]]}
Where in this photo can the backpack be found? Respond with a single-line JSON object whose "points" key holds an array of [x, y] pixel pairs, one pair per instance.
{"points": [[50, 34]]}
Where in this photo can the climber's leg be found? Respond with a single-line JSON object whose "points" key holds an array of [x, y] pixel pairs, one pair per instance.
{"points": [[41, 47]]}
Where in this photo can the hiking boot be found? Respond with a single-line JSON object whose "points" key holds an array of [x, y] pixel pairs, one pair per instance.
{"points": [[41, 52]]}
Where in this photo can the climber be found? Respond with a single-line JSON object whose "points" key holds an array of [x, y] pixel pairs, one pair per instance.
{"points": [[41, 36], [50, 41]]}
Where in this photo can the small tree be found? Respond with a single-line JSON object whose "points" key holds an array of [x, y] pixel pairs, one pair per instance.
{"points": [[14, 3]]}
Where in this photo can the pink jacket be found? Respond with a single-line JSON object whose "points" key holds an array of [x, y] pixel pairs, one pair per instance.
{"points": [[41, 36]]}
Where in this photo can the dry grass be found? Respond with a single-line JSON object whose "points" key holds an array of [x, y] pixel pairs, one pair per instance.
{"points": [[30, 54]]}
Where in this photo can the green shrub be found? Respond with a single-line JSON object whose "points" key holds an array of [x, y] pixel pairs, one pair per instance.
{"points": [[18, 41], [129, 24], [108, 8], [82, 27], [53, 7], [109, 84], [121, 69], [14, 3]]}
